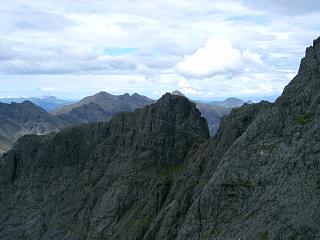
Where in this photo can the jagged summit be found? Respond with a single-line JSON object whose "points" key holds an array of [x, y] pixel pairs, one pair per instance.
{"points": [[106, 104], [176, 92], [312, 57], [303, 92]]}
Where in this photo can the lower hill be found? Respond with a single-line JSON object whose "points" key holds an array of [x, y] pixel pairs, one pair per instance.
{"points": [[48, 103], [155, 173], [230, 102], [18, 119]]}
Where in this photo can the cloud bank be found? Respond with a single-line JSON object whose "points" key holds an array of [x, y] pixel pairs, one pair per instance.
{"points": [[207, 48]]}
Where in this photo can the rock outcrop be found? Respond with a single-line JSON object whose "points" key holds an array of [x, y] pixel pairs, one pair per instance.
{"points": [[212, 112], [155, 174]]}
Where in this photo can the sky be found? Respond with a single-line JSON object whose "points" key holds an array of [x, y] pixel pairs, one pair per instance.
{"points": [[207, 49]]}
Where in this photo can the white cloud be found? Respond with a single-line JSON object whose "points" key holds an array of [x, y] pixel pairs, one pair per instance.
{"points": [[41, 39], [251, 57], [217, 57], [187, 87]]}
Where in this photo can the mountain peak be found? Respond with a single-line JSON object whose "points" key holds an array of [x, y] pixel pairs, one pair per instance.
{"points": [[102, 93], [303, 92], [125, 95], [312, 58], [176, 92], [29, 104], [316, 41]]}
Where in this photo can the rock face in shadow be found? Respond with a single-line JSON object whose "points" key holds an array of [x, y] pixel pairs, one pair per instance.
{"points": [[213, 113], [155, 174]]}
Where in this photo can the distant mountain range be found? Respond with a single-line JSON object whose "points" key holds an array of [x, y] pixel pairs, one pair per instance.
{"points": [[18, 119], [230, 102], [44, 115], [214, 111], [48, 103], [101, 107]]}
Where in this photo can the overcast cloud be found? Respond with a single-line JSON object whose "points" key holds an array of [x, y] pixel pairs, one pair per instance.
{"points": [[205, 48]]}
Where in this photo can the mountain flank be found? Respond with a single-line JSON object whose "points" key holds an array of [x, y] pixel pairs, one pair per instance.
{"points": [[18, 119]]}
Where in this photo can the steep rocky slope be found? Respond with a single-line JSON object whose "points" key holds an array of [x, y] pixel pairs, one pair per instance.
{"points": [[102, 106], [77, 183], [155, 174]]}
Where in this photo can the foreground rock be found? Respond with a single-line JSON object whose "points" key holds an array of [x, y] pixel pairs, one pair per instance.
{"points": [[155, 174]]}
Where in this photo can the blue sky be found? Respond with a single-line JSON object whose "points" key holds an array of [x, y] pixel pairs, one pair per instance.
{"points": [[208, 49]]}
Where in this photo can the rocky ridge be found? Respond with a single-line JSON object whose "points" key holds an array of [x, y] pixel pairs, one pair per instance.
{"points": [[101, 107]]}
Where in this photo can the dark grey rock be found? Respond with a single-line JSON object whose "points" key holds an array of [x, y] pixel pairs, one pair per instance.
{"points": [[49, 184], [212, 112]]}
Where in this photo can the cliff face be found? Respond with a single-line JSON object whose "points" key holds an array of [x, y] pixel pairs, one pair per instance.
{"points": [[155, 174], [80, 182]]}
